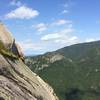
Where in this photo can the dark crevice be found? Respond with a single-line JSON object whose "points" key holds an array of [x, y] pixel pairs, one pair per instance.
{"points": [[1, 98], [77, 94]]}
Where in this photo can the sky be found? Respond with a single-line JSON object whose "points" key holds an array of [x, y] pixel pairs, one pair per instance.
{"points": [[41, 26]]}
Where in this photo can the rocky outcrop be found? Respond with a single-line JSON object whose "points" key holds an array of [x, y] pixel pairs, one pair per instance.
{"points": [[5, 36], [17, 81], [56, 57], [8, 42]]}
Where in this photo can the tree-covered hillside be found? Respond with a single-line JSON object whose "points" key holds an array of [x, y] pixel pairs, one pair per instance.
{"points": [[73, 71]]}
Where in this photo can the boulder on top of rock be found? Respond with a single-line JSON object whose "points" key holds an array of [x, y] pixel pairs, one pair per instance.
{"points": [[16, 49]]}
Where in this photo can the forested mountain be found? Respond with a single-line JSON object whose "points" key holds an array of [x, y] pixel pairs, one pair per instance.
{"points": [[73, 71]]}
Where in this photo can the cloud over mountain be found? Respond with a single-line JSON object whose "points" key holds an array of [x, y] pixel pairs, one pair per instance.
{"points": [[22, 12]]}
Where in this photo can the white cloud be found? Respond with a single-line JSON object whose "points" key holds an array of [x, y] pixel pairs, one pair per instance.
{"points": [[40, 27], [66, 31], [61, 37], [56, 35], [22, 12], [98, 22], [90, 39], [29, 45], [36, 47], [64, 12], [68, 40], [66, 5], [61, 22], [50, 36], [73, 38], [15, 3]]}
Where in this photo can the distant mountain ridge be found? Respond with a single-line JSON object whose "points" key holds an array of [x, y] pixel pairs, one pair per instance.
{"points": [[73, 71]]}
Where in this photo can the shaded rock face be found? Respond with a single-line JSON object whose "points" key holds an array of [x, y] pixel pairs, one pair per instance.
{"points": [[16, 49], [18, 82]]}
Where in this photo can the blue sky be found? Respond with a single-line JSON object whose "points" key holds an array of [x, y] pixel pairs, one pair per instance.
{"points": [[40, 26]]}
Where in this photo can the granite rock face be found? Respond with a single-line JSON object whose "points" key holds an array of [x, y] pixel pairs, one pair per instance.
{"points": [[5, 36], [17, 81]]}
